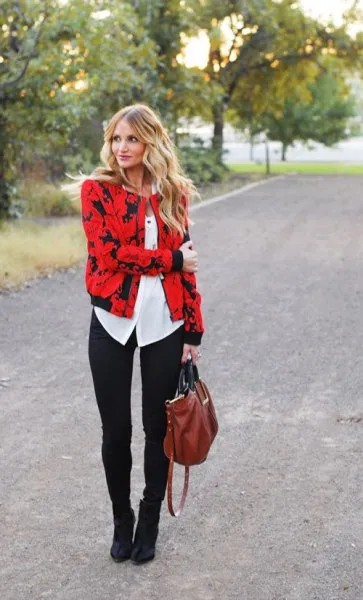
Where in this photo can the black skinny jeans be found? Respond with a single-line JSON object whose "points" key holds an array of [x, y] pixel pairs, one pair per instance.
{"points": [[111, 365]]}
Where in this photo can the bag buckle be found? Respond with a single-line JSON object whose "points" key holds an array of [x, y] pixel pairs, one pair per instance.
{"points": [[180, 397], [201, 388]]}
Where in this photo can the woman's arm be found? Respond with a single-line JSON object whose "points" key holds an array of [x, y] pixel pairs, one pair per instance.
{"points": [[100, 233]]}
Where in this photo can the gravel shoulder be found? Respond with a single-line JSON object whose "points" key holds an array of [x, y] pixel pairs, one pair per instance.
{"points": [[276, 511]]}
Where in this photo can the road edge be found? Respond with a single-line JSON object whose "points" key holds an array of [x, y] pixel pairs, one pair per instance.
{"points": [[238, 191]]}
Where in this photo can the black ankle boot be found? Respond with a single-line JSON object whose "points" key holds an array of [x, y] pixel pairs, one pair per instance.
{"points": [[146, 533], [122, 537]]}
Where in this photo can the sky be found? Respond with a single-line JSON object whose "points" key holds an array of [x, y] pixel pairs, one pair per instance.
{"points": [[327, 8]]}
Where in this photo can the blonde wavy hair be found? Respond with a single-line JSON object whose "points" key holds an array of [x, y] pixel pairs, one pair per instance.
{"points": [[160, 162]]}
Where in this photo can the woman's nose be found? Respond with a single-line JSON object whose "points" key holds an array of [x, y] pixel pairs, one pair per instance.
{"points": [[123, 144]]}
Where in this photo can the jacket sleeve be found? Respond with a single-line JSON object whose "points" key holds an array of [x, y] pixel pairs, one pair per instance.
{"points": [[100, 232], [193, 319]]}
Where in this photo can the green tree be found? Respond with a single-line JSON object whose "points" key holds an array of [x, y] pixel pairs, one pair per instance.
{"points": [[173, 90], [266, 92], [59, 65], [19, 39], [263, 38], [324, 119]]}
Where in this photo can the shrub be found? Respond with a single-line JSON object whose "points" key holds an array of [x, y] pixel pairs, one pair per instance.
{"points": [[39, 199], [200, 163]]}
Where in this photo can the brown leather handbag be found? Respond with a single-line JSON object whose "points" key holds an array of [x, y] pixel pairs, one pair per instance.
{"points": [[191, 428]]}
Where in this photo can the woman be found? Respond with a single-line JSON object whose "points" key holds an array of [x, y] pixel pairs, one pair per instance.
{"points": [[140, 275]]}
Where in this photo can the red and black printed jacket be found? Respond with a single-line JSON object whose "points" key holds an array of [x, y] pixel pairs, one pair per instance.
{"points": [[114, 222]]}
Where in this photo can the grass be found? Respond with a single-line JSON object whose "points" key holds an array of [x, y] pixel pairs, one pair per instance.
{"points": [[231, 182], [28, 250], [306, 168]]}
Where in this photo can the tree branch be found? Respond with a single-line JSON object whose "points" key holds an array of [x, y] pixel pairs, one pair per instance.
{"points": [[294, 57], [17, 78]]}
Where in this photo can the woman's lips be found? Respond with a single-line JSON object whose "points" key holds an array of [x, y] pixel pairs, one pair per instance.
{"points": [[124, 157]]}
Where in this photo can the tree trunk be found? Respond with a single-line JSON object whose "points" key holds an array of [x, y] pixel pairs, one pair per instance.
{"points": [[217, 140], [267, 157], [252, 147], [4, 186], [283, 152]]}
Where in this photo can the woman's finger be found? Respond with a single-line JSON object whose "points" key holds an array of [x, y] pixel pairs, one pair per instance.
{"points": [[195, 356]]}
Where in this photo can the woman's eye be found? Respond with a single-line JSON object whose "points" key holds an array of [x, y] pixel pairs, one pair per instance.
{"points": [[131, 138]]}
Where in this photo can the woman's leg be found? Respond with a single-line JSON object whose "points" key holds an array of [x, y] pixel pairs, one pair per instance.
{"points": [[111, 365], [160, 368]]}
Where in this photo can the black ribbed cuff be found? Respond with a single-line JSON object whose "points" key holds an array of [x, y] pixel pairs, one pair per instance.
{"points": [[178, 260], [193, 338]]}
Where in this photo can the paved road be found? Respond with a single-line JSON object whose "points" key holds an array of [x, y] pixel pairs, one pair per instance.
{"points": [[276, 512]]}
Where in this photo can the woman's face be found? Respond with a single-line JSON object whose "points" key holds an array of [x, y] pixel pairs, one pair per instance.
{"points": [[126, 147]]}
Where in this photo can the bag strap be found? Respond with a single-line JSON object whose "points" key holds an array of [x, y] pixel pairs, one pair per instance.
{"points": [[170, 488]]}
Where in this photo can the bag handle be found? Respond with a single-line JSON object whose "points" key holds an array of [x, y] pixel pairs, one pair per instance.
{"points": [[176, 513], [188, 377]]}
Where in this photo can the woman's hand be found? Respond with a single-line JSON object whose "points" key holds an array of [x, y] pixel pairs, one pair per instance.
{"points": [[193, 351], [190, 258]]}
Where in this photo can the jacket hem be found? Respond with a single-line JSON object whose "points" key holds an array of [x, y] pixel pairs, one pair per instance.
{"points": [[101, 302]]}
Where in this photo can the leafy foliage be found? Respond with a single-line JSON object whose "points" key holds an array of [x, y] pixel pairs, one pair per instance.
{"points": [[66, 67], [255, 44], [200, 163], [44, 200], [54, 74], [323, 119]]}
